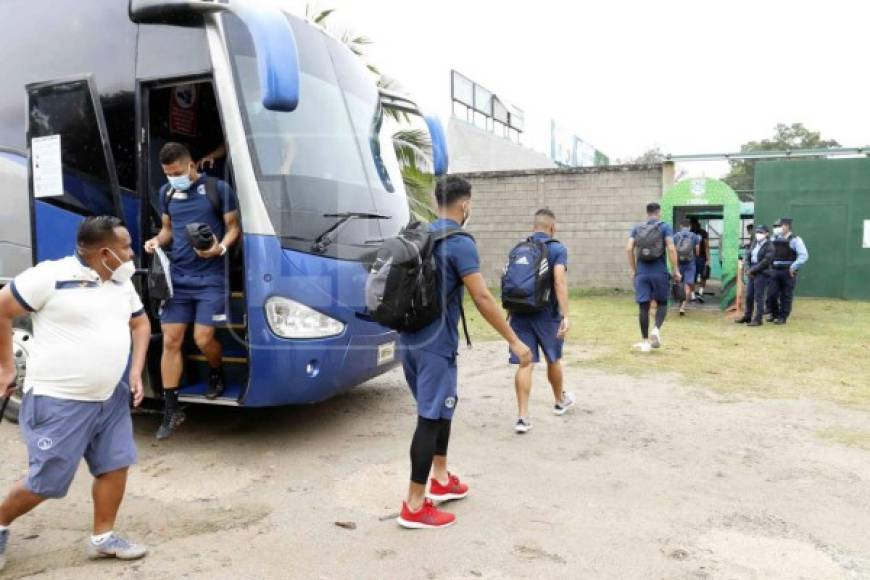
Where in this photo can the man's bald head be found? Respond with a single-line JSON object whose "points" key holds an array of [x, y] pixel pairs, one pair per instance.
{"points": [[545, 221]]}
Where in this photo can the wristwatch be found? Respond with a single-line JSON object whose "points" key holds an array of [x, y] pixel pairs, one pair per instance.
{"points": [[223, 249]]}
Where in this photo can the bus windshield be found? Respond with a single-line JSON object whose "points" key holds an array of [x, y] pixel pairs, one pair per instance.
{"points": [[332, 155]]}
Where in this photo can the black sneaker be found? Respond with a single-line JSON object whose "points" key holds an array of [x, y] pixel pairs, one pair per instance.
{"points": [[171, 421], [215, 383], [742, 321], [754, 323], [771, 319], [779, 321]]}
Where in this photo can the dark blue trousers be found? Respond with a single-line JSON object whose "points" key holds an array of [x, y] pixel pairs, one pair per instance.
{"points": [[756, 291], [780, 293]]}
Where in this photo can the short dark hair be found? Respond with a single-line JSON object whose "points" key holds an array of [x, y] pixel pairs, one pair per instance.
{"points": [[96, 230], [652, 208], [684, 223], [450, 189], [172, 152], [545, 211]]}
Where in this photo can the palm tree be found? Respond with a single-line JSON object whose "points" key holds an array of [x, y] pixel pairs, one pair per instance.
{"points": [[413, 146]]}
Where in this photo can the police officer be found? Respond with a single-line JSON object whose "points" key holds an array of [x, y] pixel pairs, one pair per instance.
{"points": [[758, 261], [789, 255]]}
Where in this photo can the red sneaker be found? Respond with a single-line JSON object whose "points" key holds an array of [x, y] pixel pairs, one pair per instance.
{"points": [[454, 489], [426, 517]]}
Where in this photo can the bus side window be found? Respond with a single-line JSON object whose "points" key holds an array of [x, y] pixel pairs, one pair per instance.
{"points": [[69, 109]]}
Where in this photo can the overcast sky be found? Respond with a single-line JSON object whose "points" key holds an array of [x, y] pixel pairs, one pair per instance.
{"points": [[690, 76]]}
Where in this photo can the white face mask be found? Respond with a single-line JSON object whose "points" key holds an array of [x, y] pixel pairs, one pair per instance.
{"points": [[122, 273], [778, 231], [760, 237]]}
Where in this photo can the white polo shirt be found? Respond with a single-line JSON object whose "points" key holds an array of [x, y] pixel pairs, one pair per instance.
{"points": [[81, 329]]}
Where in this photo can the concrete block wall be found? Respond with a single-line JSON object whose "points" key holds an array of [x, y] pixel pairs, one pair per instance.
{"points": [[595, 209]]}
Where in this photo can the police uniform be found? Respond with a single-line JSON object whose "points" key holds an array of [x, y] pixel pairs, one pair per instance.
{"points": [[758, 260], [789, 255]]}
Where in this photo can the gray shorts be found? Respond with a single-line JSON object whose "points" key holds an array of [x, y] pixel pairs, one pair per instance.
{"points": [[60, 432]]}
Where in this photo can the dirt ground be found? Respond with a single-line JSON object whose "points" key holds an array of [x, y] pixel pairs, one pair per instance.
{"points": [[648, 478]]}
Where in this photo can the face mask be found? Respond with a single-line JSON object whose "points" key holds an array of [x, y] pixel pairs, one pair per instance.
{"points": [[122, 273], [760, 237], [777, 231], [179, 183]]}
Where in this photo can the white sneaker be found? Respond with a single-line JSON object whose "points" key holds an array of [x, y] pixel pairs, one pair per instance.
{"points": [[116, 547], [523, 425], [568, 400], [655, 338], [643, 346]]}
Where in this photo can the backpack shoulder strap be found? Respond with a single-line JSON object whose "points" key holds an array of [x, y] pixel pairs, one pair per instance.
{"points": [[167, 197], [214, 198], [449, 232], [439, 236]]}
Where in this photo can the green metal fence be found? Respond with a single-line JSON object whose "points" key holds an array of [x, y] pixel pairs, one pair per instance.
{"points": [[829, 200]]}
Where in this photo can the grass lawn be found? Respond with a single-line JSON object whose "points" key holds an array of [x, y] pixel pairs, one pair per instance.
{"points": [[823, 352]]}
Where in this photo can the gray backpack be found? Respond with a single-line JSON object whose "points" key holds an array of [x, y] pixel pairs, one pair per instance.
{"points": [[685, 247], [650, 242]]}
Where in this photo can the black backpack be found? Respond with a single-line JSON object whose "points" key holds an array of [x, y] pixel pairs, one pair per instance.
{"points": [[527, 281], [403, 287], [650, 242], [685, 247]]}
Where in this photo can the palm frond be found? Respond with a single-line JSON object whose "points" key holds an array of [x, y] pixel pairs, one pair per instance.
{"points": [[316, 15], [419, 187], [413, 147]]}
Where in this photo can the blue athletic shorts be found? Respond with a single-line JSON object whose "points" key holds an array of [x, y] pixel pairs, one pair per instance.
{"points": [[688, 271], [59, 433], [649, 287], [199, 299], [538, 332], [432, 380]]}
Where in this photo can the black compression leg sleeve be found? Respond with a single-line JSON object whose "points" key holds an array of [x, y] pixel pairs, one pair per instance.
{"points": [[644, 320], [443, 438], [661, 313], [423, 449]]}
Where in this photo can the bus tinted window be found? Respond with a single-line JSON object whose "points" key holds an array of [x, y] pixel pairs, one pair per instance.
{"points": [[319, 158], [66, 109]]}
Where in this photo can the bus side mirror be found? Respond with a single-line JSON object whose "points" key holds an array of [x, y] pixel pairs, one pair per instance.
{"points": [[274, 41], [439, 145]]}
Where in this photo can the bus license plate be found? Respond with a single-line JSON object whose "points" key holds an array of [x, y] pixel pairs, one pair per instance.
{"points": [[386, 353]]}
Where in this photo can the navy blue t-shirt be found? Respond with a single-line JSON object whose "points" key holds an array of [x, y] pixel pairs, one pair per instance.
{"points": [[456, 258], [187, 207], [659, 266], [556, 254]]}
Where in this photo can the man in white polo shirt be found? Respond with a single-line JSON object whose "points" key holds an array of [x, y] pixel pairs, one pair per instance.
{"points": [[76, 405]]}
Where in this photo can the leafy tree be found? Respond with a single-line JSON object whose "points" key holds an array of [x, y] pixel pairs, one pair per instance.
{"points": [[413, 147], [792, 137], [651, 156]]}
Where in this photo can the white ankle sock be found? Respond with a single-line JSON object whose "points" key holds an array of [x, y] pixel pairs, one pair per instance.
{"points": [[100, 538], [3, 528]]}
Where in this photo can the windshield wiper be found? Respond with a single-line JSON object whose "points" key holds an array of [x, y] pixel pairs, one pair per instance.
{"points": [[324, 240]]}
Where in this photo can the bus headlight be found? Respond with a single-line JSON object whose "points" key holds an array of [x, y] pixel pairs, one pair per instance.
{"points": [[290, 319]]}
